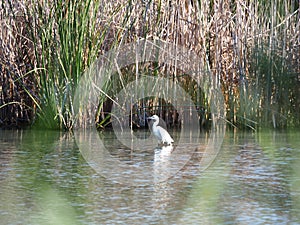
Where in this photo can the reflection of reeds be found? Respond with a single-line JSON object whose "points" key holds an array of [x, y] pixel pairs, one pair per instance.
{"points": [[251, 47]]}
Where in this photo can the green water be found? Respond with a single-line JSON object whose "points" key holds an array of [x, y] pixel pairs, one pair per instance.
{"points": [[255, 179]]}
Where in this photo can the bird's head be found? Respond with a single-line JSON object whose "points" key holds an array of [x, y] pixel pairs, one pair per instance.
{"points": [[154, 117]]}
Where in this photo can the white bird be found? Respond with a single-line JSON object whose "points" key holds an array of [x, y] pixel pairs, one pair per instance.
{"points": [[159, 131]]}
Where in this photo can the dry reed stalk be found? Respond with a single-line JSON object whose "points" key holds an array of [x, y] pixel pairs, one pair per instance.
{"points": [[17, 83], [222, 32]]}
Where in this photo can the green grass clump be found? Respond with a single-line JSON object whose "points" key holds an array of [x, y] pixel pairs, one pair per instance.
{"points": [[65, 42]]}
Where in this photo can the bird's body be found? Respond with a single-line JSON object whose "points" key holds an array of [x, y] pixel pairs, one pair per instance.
{"points": [[160, 132]]}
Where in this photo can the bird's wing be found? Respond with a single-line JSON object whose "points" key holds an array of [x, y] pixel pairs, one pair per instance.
{"points": [[165, 135], [162, 123]]}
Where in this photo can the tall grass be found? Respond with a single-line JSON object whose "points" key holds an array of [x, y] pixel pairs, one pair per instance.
{"points": [[65, 41], [67, 37], [250, 47]]}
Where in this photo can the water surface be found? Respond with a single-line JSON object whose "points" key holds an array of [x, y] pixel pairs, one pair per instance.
{"points": [[255, 179]]}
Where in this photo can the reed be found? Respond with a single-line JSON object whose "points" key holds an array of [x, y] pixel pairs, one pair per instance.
{"points": [[67, 37], [250, 47], [65, 41], [17, 82]]}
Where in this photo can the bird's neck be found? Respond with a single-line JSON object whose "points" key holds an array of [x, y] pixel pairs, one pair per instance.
{"points": [[155, 123]]}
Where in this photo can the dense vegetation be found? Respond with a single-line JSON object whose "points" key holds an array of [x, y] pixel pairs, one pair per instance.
{"points": [[251, 47]]}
